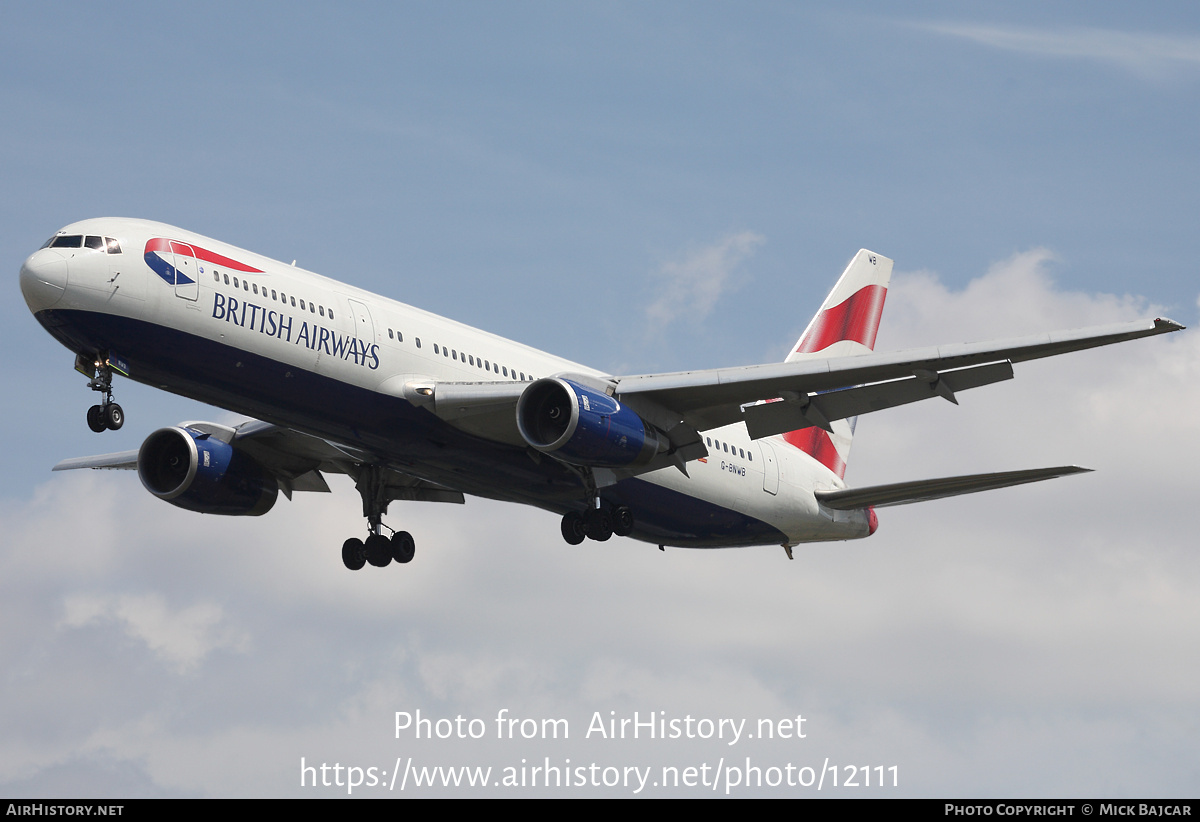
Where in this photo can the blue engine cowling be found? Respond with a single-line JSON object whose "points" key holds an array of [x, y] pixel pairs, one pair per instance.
{"points": [[197, 472], [582, 426]]}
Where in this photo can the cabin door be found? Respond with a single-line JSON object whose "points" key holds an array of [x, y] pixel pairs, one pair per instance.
{"points": [[187, 271]]}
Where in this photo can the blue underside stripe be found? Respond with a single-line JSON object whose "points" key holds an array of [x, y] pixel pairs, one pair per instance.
{"points": [[412, 439]]}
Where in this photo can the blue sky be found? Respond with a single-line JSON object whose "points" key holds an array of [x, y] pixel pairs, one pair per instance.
{"points": [[573, 176]]}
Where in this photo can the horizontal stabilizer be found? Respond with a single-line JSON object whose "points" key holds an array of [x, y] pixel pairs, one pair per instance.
{"points": [[902, 493], [122, 461]]}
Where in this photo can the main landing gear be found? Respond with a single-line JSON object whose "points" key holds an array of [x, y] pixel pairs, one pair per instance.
{"points": [[107, 415], [378, 550], [598, 522]]}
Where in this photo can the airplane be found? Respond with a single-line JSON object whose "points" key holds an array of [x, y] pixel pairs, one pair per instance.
{"points": [[413, 406]]}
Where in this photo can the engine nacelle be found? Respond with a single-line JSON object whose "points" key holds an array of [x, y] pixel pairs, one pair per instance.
{"points": [[200, 473], [582, 426]]}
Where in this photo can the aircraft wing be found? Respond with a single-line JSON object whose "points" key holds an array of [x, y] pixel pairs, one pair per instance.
{"points": [[817, 391], [296, 460], [773, 398]]}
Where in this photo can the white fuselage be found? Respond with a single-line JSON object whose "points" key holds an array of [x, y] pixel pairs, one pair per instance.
{"points": [[289, 346]]}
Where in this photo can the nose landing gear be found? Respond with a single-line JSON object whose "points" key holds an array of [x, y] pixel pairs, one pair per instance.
{"points": [[107, 415]]}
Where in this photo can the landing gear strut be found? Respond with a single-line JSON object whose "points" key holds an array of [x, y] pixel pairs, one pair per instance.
{"points": [[378, 549], [107, 415], [598, 521]]}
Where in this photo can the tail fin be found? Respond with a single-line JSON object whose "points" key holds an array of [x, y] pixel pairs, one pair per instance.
{"points": [[846, 325]]}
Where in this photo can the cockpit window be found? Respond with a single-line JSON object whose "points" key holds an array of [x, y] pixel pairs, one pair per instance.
{"points": [[113, 246], [67, 241], [93, 242]]}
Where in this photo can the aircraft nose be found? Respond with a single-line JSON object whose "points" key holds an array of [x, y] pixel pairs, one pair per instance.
{"points": [[43, 279]]}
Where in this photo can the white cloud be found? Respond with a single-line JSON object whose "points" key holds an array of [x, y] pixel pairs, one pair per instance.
{"points": [[182, 637], [692, 286], [986, 645], [1142, 53], [1016, 296]]}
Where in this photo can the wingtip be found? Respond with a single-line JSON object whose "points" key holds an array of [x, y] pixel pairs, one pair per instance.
{"points": [[1068, 470], [1165, 326]]}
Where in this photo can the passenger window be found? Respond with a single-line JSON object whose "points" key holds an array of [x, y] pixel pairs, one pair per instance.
{"points": [[302, 305], [216, 277], [331, 313], [274, 296], [312, 308], [435, 349], [417, 340], [391, 336], [93, 242], [226, 279], [256, 288], [322, 311], [246, 285], [235, 283], [750, 455]]}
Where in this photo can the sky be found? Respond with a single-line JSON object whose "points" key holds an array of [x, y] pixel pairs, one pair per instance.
{"points": [[641, 188]]}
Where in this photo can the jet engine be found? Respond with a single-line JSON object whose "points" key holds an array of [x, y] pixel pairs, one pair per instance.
{"points": [[583, 426], [195, 471]]}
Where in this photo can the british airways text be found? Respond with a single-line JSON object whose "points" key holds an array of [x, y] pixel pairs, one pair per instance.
{"points": [[277, 324]]}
